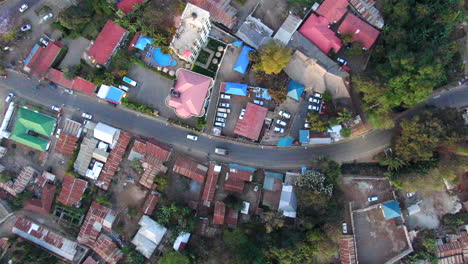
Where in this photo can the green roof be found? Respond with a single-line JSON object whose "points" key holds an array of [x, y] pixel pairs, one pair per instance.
{"points": [[27, 120]]}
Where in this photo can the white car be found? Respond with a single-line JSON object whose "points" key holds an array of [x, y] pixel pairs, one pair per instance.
{"points": [[219, 124], [192, 137], [345, 228], [23, 8], [57, 134], [306, 125], [220, 119], [278, 129], [372, 198], [242, 113], [224, 105], [26, 27], [47, 17], [129, 81], [225, 96], [44, 41], [68, 91], [341, 61], [313, 107], [87, 116], [258, 102], [281, 122], [223, 115], [317, 95], [314, 100], [9, 97], [285, 114], [56, 108]]}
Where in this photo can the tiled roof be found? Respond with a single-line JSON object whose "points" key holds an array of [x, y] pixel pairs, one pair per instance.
{"points": [[77, 83], [45, 177], [83, 85], [234, 185], [113, 161], [252, 124], [362, 32], [158, 150], [45, 203], [217, 14], [347, 250], [107, 249], [90, 260], [239, 174], [210, 185], [316, 30], [150, 204], [43, 58], [106, 42], [369, 12], [135, 38], [127, 5], [4, 244], [190, 168], [231, 217], [25, 176], [98, 217], [66, 144], [147, 178], [333, 10], [72, 190], [219, 212]]}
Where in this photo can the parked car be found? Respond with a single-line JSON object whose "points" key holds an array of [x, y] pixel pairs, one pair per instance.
{"points": [[57, 134], [52, 85], [129, 81], [224, 110], [463, 82], [26, 27], [258, 102], [47, 17], [345, 228], [87, 116], [9, 97], [281, 122], [68, 91], [225, 96], [317, 95], [56, 108], [372, 198], [23, 8], [242, 113], [284, 114], [255, 188], [224, 115], [192, 137], [221, 151], [126, 89], [226, 105], [220, 119], [44, 41], [341, 61], [219, 124], [3, 76], [410, 194], [314, 100], [314, 107], [306, 125], [278, 129]]}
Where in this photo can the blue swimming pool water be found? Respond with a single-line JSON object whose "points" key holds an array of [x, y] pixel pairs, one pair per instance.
{"points": [[163, 59]]}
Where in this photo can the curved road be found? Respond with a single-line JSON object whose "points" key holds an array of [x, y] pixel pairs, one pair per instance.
{"points": [[248, 154]]}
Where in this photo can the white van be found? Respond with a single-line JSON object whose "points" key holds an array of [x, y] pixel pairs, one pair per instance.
{"points": [[124, 88], [221, 151]]}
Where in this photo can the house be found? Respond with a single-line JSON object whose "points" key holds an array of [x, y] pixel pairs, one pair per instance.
{"points": [[44, 204], [189, 94], [210, 185], [220, 11], [219, 213], [128, 6], [46, 238], [107, 249], [333, 10], [304, 136], [189, 168], [20, 182], [97, 219], [254, 32], [237, 176], [42, 58], [72, 191], [295, 90], [148, 236], [272, 186], [391, 209], [71, 132], [181, 241], [243, 60], [234, 88], [232, 217], [90, 260], [347, 250], [369, 12], [192, 32], [252, 124], [361, 31], [77, 83], [106, 43], [44, 178], [150, 203], [316, 30], [455, 251], [110, 93], [287, 29], [288, 201]]}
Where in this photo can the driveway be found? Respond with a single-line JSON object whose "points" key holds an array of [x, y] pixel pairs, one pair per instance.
{"points": [[76, 48]]}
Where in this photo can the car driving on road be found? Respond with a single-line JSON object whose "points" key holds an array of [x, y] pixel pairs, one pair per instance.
{"points": [[56, 108], [87, 116], [192, 137], [9, 97]]}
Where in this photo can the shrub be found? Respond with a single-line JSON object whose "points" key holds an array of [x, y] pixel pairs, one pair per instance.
{"points": [[345, 132]]}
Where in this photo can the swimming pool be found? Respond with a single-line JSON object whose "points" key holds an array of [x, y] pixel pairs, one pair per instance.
{"points": [[163, 59]]}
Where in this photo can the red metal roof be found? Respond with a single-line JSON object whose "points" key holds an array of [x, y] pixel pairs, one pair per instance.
{"points": [[133, 42], [66, 144], [217, 14], [127, 5], [238, 174], [83, 85], [43, 58], [333, 10], [152, 148], [251, 125], [151, 172], [45, 203], [77, 83], [232, 216], [150, 204], [316, 30], [219, 212], [347, 250], [106, 42], [190, 168], [107, 249], [98, 217], [234, 185], [113, 161], [72, 190], [210, 185], [90, 260], [361, 30]]}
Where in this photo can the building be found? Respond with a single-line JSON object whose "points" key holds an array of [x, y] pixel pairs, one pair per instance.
{"points": [[304, 136], [110, 93], [97, 219], [243, 60], [41, 59], [77, 83], [32, 129], [210, 185], [288, 201], [72, 191], [272, 186], [237, 176], [44, 204], [148, 236], [454, 251], [234, 88], [220, 11], [107, 249], [391, 209], [347, 250], [42, 236], [252, 124], [369, 12], [232, 216], [106, 43], [68, 137], [361, 31], [287, 29], [181, 241], [254, 32], [189, 168], [219, 213], [150, 203], [192, 32], [316, 30], [295, 90], [128, 6], [333, 10], [189, 93]]}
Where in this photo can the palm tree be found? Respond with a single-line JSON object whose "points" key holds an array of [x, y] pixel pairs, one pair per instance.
{"points": [[344, 116], [393, 163]]}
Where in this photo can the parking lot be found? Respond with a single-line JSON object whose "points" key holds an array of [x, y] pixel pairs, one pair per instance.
{"points": [[359, 190]]}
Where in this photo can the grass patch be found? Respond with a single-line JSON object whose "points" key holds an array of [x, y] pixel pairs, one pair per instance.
{"points": [[213, 44], [203, 71], [145, 109], [203, 57]]}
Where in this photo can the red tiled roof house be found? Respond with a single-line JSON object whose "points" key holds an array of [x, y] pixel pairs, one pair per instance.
{"points": [[361, 31], [128, 6], [107, 249], [98, 217], [106, 43], [219, 212], [39, 62], [316, 30], [189, 168], [252, 124], [333, 10], [72, 190]]}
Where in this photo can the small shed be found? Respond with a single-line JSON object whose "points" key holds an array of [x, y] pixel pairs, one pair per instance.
{"points": [[295, 90]]}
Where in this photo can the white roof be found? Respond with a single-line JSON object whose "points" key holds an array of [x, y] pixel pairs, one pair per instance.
{"points": [[143, 245], [95, 171], [103, 91], [313, 141], [246, 208], [182, 238], [288, 202], [335, 132], [105, 132], [287, 29], [148, 236]]}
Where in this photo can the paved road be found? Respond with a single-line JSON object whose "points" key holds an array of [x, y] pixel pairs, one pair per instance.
{"points": [[253, 155]]}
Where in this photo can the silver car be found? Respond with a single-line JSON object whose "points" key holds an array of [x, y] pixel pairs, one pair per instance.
{"points": [[223, 115], [280, 122], [220, 119]]}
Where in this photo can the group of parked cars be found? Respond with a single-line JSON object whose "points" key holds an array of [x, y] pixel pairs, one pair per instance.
{"points": [[315, 104], [223, 110], [281, 124], [27, 27]]}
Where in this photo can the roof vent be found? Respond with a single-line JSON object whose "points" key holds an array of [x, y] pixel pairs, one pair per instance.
{"points": [[194, 15]]}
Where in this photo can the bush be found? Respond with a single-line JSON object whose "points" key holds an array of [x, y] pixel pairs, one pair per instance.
{"points": [[345, 132], [234, 202], [137, 106]]}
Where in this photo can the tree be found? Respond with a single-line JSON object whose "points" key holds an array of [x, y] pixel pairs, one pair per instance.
{"points": [[316, 122], [233, 202], [76, 16], [345, 132], [329, 167], [173, 257], [424, 246], [344, 116], [70, 72], [272, 58], [132, 256], [347, 38], [392, 162], [314, 190], [179, 219], [273, 221], [161, 182]]}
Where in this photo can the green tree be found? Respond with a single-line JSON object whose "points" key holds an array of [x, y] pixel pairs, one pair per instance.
{"points": [[173, 257], [317, 122], [347, 38], [424, 246], [132, 256], [178, 219], [161, 182], [76, 16], [329, 167], [345, 132], [70, 72], [272, 58], [233, 202], [273, 221]]}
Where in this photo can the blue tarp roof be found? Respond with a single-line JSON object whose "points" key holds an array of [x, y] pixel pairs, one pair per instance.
{"points": [[240, 167], [304, 136], [391, 209], [265, 94], [114, 95], [142, 42], [31, 54], [243, 60], [236, 88], [238, 43], [285, 142], [295, 90], [269, 181]]}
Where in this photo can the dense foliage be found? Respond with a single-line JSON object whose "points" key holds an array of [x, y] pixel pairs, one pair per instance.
{"points": [[271, 58], [177, 218]]}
